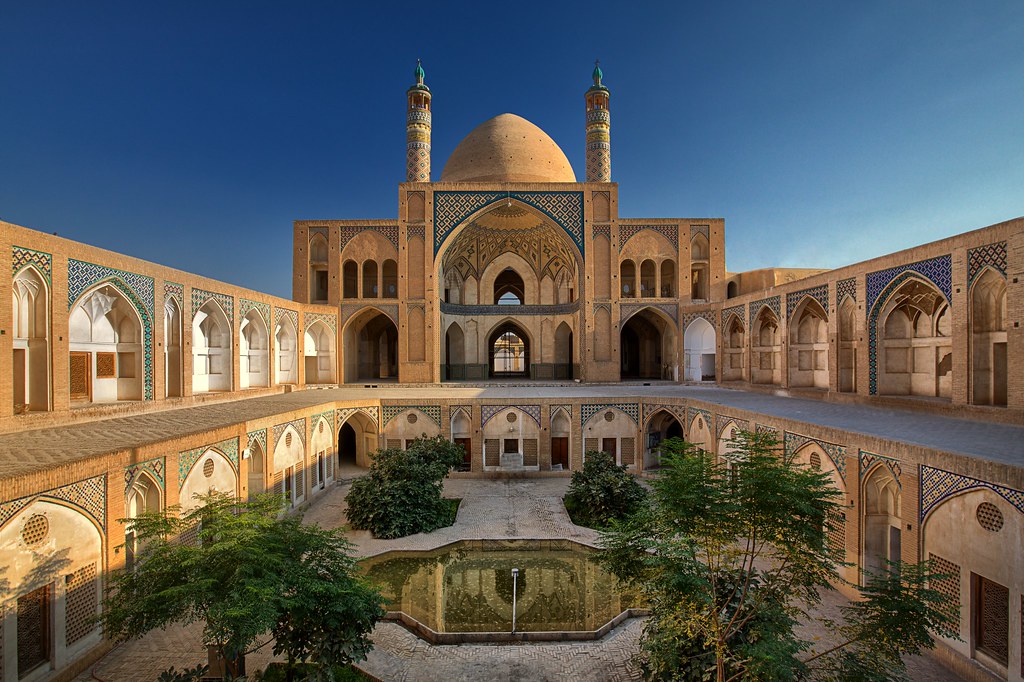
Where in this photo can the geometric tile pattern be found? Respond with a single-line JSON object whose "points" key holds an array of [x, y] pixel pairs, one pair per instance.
{"points": [[678, 411], [175, 291], [870, 459], [414, 232], [201, 296], [552, 409], [632, 410], [938, 485], [881, 285], [938, 270], [431, 411], [342, 414], [452, 208], [22, 257], [188, 458], [627, 310], [488, 411], [844, 288], [138, 289], [773, 303], [89, 495], [466, 410], [767, 430], [327, 415], [818, 293], [700, 229], [327, 318], [154, 467], [723, 423], [349, 232], [245, 305], [601, 231], [259, 436], [736, 310], [350, 309], [671, 232], [708, 316], [285, 314], [322, 231], [836, 453], [978, 259], [692, 412], [298, 424]]}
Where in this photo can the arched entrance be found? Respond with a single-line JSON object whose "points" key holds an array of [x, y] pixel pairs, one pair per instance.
{"points": [[882, 509], [371, 347], [253, 354], [915, 354], [699, 351], [105, 344], [509, 351], [661, 426], [647, 347], [357, 440], [455, 352], [31, 342], [211, 349], [319, 353]]}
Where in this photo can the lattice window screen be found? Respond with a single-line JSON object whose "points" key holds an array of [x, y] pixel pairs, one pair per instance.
{"points": [[33, 644], [300, 482], [279, 484], [394, 443], [530, 452], [591, 445], [81, 603], [948, 586], [106, 365], [628, 451], [330, 467], [994, 635], [492, 452], [836, 532], [79, 374]]}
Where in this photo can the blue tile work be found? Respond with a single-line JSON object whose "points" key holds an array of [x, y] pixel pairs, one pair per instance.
{"points": [[767, 430], [627, 230], [138, 289], [88, 496], [488, 411], [818, 293], [723, 422], [154, 467], [21, 258], [245, 305], [649, 410], [844, 288], [601, 231], [983, 256], [837, 453], [773, 303], [342, 414], [328, 415], [452, 208], [177, 292], [283, 313], [431, 411], [632, 410], [299, 426], [869, 459], [627, 310], [700, 229], [693, 412], [938, 485], [201, 296], [258, 436], [709, 316], [327, 318], [414, 232], [349, 232], [939, 271], [554, 409], [736, 310], [188, 458], [466, 410]]}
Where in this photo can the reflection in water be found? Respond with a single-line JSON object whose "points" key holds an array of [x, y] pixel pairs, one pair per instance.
{"points": [[467, 586]]}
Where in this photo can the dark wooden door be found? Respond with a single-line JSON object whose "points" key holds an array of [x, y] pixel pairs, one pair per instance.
{"points": [[560, 451], [467, 446]]}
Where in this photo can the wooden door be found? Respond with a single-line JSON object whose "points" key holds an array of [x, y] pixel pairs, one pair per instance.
{"points": [[608, 445], [467, 448], [560, 451], [80, 379]]}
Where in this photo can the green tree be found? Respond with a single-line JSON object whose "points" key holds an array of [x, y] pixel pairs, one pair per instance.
{"points": [[732, 554], [602, 492], [244, 570], [401, 494]]}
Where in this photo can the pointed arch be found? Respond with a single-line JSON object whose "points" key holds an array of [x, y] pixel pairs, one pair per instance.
{"points": [[370, 346], [734, 348], [661, 426], [699, 433], [509, 350], [286, 347], [318, 351], [648, 346], [455, 352], [699, 349], [107, 339], [881, 509], [564, 351], [211, 349], [808, 345], [357, 440], [766, 348], [912, 327], [172, 348], [847, 329], [212, 472], [988, 343], [254, 354], [31, 341], [257, 468]]}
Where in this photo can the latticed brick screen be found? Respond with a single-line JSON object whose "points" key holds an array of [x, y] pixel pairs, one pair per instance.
{"points": [[81, 603], [492, 452], [948, 586], [628, 451], [106, 365], [530, 452], [591, 445], [994, 635], [394, 443], [190, 536], [836, 532]]}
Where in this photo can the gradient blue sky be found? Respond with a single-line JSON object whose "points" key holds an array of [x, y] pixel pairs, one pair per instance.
{"points": [[193, 133]]}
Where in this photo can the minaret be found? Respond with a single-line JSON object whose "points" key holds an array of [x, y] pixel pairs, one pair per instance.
{"points": [[417, 130], [599, 128]]}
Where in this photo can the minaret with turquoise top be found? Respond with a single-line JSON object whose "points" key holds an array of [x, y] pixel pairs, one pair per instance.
{"points": [[599, 129], [417, 130]]}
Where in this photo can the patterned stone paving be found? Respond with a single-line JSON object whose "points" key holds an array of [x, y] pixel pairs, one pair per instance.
{"points": [[524, 508]]}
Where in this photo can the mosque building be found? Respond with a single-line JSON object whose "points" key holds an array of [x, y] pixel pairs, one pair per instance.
{"points": [[578, 329]]}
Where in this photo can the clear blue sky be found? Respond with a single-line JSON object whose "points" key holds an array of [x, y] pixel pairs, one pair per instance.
{"points": [[193, 133]]}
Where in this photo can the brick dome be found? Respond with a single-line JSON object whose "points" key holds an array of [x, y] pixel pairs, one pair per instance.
{"points": [[507, 148]]}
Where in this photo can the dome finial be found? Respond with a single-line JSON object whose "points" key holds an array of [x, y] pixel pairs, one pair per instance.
{"points": [[598, 74], [418, 73]]}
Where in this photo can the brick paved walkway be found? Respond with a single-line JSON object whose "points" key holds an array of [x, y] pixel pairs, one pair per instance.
{"points": [[490, 509]]}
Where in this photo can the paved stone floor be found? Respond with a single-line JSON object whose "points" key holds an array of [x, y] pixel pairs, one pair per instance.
{"points": [[523, 508]]}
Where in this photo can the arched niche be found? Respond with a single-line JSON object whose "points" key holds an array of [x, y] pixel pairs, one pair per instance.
{"points": [[322, 454], [881, 511], [31, 342], [808, 345], [455, 352], [847, 345], [350, 279], [648, 278], [511, 441], [211, 349], [389, 279], [667, 278], [318, 351], [915, 348], [699, 344], [647, 346], [286, 349], [509, 280], [766, 349], [627, 279], [370, 284], [700, 433], [613, 431], [172, 349], [734, 349], [318, 271], [357, 440], [289, 473], [407, 426], [509, 350], [814, 456], [144, 496], [989, 363], [370, 347], [211, 473], [661, 426], [561, 444], [105, 335], [254, 356], [257, 468], [564, 368]]}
